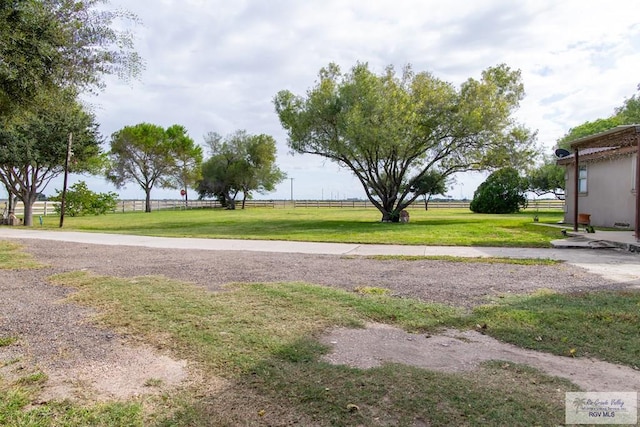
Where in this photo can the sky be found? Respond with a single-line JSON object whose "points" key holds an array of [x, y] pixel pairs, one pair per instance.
{"points": [[216, 65]]}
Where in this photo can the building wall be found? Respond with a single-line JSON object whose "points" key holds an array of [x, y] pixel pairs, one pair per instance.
{"points": [[610, 196]]}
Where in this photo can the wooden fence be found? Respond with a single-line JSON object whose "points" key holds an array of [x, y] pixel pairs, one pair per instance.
{"points": [[45, 208]]}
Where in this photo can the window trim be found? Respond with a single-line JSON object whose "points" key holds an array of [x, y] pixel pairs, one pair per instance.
{"points": [[583, 187]]}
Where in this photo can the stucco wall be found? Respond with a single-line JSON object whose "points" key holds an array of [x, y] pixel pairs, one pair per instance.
{"points": [[609, 198]]}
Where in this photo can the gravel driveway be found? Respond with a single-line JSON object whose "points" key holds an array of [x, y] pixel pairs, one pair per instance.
{"points": [[461, 284]]}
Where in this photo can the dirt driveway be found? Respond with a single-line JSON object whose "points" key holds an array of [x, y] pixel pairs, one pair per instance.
{"points": [[57, 338]]}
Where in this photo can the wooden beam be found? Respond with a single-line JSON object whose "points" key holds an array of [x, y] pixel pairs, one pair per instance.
{"points": [[575, 191], [637, 231]]}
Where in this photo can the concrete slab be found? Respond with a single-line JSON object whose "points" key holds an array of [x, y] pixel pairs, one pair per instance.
{"points": [[582, 243]]}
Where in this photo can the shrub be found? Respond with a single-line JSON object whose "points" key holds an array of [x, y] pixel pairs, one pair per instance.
{"points": [[82, 201], [502, 192]]}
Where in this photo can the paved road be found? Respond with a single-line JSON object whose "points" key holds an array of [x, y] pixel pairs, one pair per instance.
{"points": [[614, 264]]}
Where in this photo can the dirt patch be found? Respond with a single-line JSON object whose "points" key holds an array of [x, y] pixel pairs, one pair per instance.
{"points": [[84, 361], [80, 360], [125, 373], [458, 351]]}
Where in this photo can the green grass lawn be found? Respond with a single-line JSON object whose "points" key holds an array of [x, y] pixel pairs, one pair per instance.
{"points": [[447, 227], [604, 325]]}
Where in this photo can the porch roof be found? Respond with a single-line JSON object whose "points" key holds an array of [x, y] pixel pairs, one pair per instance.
{"points": [[619, 136], [619, 139]]}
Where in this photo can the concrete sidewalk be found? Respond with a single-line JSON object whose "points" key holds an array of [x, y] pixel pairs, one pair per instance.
{"points": [[614, 264]]}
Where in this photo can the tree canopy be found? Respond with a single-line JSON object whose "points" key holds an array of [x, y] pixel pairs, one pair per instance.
{"points": [[548, 178], [147, 155], [627, 114], [33, 144], [80, 201], [588, 128], [430, 184], [187, 169], [239, 163], [502, 192], [390, 130], [60, 43]]}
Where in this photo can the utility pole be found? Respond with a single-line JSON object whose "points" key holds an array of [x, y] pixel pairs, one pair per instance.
{"points": [[291, 188], [66, 177]]}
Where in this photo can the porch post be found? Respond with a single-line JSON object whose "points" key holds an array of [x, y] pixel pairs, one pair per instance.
{"points": [[576, 173], [637, 228]]}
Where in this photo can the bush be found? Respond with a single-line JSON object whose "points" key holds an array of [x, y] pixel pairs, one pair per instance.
{"points": [[503, 192], [82, 201]]}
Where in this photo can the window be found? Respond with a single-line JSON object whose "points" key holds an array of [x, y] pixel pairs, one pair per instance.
{"points": [[582, 179]]}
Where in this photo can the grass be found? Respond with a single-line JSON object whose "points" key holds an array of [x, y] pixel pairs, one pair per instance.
{"points": [[15, 411], [604, 325], [13, 258], [262, 338], [7, 341], [17, 408], [449, 227]]}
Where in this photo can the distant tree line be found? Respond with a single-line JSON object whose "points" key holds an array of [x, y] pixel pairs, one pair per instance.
{"points": [[150, 156]]}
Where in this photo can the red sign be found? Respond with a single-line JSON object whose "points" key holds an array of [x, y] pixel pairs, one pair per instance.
{"points": [[182, 193]]}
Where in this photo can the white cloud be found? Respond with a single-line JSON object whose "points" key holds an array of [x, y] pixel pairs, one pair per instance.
{"points": [[216, 65]]}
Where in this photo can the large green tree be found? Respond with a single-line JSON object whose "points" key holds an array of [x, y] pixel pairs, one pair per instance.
{"points": [[588, 128], [239, 163], [33, 145], [187, 169], [629, 112], [144, 154], [60, 43], [502, 192], [430, 184], [547, 178], [391, 130]]}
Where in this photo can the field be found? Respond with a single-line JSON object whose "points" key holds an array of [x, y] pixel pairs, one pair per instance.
{"points": [[445, 227]]}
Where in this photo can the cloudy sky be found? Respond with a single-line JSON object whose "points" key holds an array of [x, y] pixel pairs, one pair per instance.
{"points": [[214, 65]]}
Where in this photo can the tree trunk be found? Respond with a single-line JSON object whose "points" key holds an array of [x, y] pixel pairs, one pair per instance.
{"points": [[147, 206], [389, 214], [230, 202], [426, 202], [244, 199], [28, 200], [11, 207]]}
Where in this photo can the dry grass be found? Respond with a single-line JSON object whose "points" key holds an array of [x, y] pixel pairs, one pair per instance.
{"points": [[13, 258]]}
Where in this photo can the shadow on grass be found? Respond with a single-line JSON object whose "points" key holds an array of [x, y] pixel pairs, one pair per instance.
{"points": [[296, 387]]}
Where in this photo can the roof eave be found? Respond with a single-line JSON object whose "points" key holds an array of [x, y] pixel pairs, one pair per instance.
{"points": [[607, 138]]}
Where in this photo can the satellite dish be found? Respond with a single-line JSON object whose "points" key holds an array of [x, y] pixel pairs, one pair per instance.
{"points": [[561, 152]]}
